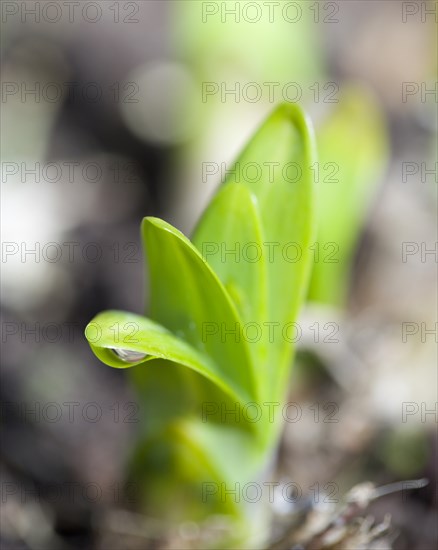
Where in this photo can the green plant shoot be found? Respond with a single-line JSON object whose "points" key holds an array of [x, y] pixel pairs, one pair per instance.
{"points": [[193, 357]]}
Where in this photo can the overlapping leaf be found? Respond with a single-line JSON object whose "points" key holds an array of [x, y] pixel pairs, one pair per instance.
{"points": [[187, 298], [230, 239], [281, 213]]}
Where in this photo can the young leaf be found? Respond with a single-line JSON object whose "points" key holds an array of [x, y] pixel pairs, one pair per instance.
{"points": [[283, 150], [233, 217], [112, 332], [230, 239]]}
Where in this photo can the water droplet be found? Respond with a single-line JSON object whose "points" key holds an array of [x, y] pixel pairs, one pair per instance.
{"points": [[128, 355]]}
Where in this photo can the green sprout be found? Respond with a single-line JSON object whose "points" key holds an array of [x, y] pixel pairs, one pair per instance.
{"points": [[191, 358]]}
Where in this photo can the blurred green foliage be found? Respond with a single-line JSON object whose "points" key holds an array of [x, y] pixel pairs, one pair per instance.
{"points": [[353, 153]]}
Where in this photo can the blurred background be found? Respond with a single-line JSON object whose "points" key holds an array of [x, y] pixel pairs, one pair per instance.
{"points": [[112, 111]]}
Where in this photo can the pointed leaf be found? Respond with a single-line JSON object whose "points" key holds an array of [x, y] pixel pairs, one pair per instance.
{"points": [[283, 152], [187, 297], [230, 240]]}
